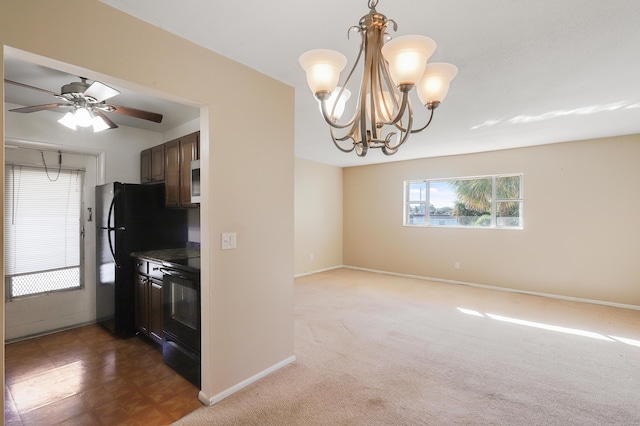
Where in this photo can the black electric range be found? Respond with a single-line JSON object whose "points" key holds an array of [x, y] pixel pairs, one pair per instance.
{"points": [[186, 264], [181, 316]]}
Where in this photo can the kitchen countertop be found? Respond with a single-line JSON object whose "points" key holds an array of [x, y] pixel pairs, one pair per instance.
{"points": [[167, 254]]}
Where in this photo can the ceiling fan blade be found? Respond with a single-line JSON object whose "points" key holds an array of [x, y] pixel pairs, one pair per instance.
{"points": [[100, 91], [36, 108], [106, 119], [138, 113], [30, 87]]}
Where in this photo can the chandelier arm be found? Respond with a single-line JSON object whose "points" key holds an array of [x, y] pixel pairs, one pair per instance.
{"points": [[381, 80], [353, 28], [401, 110], [373, 59], [349, 135], [426, 125], [365, 134], [392, 88], [335, 142], [355, 116], [363, 148], [404, 134], [395, 24], [387, 151]]}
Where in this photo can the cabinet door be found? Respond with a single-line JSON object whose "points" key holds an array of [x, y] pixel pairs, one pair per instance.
{"points": [[145, 166], [172, 173], [155, 310], [157, 163], [189, 150], [142, 312]]}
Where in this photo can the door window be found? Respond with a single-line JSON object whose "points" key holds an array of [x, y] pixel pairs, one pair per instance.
{"points": [[42, 214]]}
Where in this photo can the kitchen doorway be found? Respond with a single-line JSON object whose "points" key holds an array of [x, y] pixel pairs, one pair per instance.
{"points": [[50, 311], [116, 151]]}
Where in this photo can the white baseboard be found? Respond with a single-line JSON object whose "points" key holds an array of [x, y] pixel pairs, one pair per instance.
{"points": [[510, 290], [46, 333], [206, 400], [318, 271]]}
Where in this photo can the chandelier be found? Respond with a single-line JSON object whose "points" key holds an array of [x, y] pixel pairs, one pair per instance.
{"points": [[383, 116]]}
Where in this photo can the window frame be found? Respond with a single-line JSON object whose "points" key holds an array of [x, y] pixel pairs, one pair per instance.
{"points": [[407, 202], [8, 278]]}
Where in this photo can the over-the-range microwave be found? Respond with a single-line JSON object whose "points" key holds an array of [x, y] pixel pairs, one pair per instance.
{"points": [[195, 181]]}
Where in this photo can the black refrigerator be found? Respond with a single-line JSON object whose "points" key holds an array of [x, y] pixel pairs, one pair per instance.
{"points": [[129, 218]]}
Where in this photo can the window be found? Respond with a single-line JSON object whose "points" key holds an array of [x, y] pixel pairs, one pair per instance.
{"points": [[42, 230], [484, 201]]}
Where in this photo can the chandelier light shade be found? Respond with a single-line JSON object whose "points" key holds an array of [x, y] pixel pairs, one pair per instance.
{"points": [[407, 57], [323, 67], [336, 104], [391, 68], [434, 85]]}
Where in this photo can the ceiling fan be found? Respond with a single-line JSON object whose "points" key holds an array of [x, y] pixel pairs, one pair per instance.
{"points": [[87, 105]]}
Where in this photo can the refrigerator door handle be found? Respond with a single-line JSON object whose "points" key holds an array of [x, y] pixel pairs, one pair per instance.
{"points": [[110, 230], [113, 253]]}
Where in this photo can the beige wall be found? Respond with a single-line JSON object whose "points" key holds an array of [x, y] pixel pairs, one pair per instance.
{"points": [[318, 216], [580, 236], [247, 170]]}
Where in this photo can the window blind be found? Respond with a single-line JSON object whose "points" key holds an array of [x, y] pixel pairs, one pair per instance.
{"points": [[41, 219]]}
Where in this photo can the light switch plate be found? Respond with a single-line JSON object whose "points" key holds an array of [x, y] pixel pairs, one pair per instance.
{"points": [[228, 241]]}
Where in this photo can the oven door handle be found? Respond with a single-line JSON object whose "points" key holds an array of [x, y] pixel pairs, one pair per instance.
{"points": [[174, 273]]}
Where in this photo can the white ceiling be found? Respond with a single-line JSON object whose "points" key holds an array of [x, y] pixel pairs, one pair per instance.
{"points": [[530, 71]]}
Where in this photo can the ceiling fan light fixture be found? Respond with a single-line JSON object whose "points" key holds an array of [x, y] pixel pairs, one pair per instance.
{"points": [[99, 124], [68, 120], [86, 101], [83, 117]]}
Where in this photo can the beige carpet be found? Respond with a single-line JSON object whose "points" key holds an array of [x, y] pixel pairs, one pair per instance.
{"points": [[374, 349]]}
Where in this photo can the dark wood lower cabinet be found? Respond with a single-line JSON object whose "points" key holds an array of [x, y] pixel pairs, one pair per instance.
{"points": [[155, 309], [142, 311], [148, 282]]}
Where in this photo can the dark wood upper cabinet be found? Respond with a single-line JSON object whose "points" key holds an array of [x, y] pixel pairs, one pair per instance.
{"points": [[157, 163], [145, 166], [152, 165], [189, 151], [171, 163], [172, 173], [178, 155]]}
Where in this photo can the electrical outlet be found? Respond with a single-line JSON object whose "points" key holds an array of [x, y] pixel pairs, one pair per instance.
{"points": [[456, 265]]}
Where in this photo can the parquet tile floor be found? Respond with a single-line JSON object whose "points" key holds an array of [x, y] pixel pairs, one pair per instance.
{"points": [[86, 376]]}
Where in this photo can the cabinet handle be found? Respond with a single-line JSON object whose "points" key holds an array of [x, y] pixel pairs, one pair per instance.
{"points": [[156, 268]]}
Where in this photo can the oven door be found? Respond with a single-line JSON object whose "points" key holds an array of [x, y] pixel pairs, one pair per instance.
{"points": [[181, 307]]}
